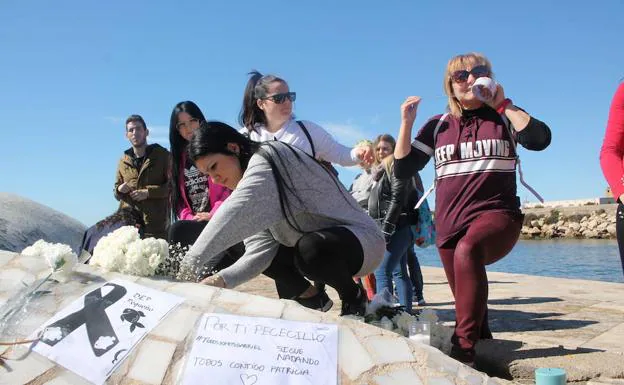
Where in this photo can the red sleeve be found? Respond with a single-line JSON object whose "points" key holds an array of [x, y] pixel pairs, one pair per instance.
{"points": [[612, 151]]}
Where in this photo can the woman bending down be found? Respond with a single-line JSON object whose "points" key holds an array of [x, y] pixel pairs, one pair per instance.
{"points": [[296, 219]]}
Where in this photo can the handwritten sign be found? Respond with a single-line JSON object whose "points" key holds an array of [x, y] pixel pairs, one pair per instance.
{"points": [[238, 350], [94, 333]]}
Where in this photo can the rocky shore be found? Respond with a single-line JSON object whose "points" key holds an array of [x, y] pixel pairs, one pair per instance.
{"points": [[599, 224]]}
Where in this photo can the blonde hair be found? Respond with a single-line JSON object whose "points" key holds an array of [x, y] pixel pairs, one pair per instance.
{"points": [[462, 62]]}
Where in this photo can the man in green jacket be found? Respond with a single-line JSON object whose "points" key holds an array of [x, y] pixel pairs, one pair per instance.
{"points": [[142, 181]]}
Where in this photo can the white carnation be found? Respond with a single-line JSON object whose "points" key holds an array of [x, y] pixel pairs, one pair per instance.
{"points": [[124, 251], [59, 256], [109, 252]]}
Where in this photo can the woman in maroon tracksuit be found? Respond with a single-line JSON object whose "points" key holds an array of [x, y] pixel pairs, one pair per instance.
{"points": [[477, 212]]}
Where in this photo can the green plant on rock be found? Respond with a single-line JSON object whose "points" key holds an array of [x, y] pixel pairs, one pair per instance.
{"points": [[552, 218]]}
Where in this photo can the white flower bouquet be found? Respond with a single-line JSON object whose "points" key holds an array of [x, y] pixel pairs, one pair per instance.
{"points": [[124, 251]]}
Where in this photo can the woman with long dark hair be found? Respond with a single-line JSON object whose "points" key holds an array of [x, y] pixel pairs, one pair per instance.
{"points": [[296, 219], [194, 197], [477, 210]]}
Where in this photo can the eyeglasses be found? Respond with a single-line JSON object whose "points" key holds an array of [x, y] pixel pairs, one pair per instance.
{"points": [[281, 98], [461, 76], [186, 124]]}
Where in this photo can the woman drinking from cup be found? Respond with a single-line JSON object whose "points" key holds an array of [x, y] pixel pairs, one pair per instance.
{"points": [[477, 211]]}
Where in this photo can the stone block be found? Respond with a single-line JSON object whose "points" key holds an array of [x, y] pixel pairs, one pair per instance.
{"points": [[295, 312], [258, 306], [24, 371], [195, 294], [353, 358], [68, 378], [177, 324], [399, 377], [389, 349]]}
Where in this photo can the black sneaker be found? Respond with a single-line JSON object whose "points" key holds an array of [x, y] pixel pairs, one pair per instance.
{"points": [[320, 301], [466, 357], [356, 307]]}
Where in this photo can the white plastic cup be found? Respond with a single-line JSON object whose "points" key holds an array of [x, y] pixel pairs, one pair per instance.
{"points": [[420, 331], [484, 83]]}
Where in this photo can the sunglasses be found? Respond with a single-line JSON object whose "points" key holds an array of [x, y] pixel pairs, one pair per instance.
{"points": [[281, 98], [461, 76]]}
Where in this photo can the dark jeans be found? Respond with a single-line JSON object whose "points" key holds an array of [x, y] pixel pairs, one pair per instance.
{"points": [[619, 230], [413, 266], [488, 239]]}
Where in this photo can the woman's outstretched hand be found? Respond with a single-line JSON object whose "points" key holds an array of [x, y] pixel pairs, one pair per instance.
{"points": [[205, 217], [365, 155], [408, 110], [408, 115], [214, 280]]}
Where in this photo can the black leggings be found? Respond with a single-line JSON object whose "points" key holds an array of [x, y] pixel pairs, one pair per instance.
{"points": [[332, 256], [619, 230]]}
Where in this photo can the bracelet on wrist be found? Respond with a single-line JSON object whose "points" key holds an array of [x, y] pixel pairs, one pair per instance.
{"points": [[501, 107]]}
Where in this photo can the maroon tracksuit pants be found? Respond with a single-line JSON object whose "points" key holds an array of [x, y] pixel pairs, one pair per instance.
{"points": [[488, 239]]}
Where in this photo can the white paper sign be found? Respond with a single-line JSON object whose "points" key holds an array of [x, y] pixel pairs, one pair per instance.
{"points": [[96, 332], [230, 349]]}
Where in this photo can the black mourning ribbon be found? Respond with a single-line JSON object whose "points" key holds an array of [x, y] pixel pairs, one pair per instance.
{"points": [[93, 316]]}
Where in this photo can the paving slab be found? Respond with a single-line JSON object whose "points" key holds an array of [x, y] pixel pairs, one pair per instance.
{"points": [[536, 321]]}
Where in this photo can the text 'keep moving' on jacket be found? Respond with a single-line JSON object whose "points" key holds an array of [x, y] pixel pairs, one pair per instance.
{"points": [[475, 163]]}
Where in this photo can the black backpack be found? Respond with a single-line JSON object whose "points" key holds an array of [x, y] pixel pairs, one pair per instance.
{"points": [[324, 163]]}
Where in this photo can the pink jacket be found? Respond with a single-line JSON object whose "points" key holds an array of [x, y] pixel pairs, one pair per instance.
{"points": [[217, 194], [612, 152]]}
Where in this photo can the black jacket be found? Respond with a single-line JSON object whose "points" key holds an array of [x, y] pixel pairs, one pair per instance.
{"points": [[392, 202]]}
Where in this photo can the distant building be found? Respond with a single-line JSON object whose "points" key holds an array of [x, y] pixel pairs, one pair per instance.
{"points": [[570, 203]]}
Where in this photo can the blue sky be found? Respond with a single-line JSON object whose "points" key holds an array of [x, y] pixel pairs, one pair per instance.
{"points": [[71, 71]]}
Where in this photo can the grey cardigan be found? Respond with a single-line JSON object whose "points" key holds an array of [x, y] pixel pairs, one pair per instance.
{"points": [[253, 213]]}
